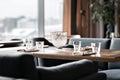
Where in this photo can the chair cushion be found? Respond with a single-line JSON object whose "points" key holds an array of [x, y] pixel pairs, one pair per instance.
{"points": [[68, 71], [112, 74]]}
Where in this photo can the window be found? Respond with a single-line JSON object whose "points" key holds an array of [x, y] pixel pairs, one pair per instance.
{"points": [[53, 16], [22, 18], [18, 18]]}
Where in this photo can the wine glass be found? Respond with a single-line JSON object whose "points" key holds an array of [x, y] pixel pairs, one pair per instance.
{"points": [[59, 39]]}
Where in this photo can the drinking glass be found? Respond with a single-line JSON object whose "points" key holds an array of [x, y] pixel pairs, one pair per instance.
{"points": [[77, 46], [59, 38], [99, 47], [39, 45], [28, 43], [96, 47], [93, 45], [112, 35]]}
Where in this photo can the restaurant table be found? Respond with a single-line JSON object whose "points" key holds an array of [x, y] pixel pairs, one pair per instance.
{"points": [[105, 55], [65, 54]]}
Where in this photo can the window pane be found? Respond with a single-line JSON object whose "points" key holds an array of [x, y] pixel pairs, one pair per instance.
{"points": [[53, 16], [18, 18]]}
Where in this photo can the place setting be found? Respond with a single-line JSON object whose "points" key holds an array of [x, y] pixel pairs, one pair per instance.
{"points": [[29, 46], [93, 49]]}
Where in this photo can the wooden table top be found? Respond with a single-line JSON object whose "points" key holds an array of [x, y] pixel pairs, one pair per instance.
{"points": [[67, 54]]}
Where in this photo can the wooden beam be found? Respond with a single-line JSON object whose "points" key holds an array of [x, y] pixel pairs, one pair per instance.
{"points": [[67, 17]]}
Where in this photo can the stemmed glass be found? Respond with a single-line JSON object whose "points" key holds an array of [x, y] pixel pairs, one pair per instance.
{"points": [[59, 39]]}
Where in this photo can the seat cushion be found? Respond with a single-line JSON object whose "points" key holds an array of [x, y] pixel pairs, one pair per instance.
{"points": [[112, 74]]}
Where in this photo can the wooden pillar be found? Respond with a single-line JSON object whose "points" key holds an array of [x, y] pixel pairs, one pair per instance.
{"points": [[77, 22], [117, 18], [83, 18], [67, 17], [96, 28]]}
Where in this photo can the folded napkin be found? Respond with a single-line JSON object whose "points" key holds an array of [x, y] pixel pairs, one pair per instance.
{"points": [[28, 50], [88, 53], [85, 53]]}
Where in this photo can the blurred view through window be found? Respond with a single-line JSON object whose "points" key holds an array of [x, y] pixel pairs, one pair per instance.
{"points": [[19, 18], [53, 10]]}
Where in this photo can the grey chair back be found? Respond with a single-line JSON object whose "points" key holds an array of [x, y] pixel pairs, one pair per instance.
{"points": [[115, 45], [105, 43]]}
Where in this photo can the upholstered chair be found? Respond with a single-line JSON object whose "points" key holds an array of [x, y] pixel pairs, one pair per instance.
{"points": [[22, 66], [113, 72]]}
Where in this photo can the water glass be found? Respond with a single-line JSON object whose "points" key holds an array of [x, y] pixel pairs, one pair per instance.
{"points": [[93, 45], [77, 46], [40, 45], [99, 47], [112, 35], [28, 43], [96, 47]]}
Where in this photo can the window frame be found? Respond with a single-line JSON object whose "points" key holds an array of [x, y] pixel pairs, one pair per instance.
{"points": [[41, 18]]}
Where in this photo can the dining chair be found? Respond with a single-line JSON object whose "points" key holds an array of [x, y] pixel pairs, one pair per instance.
{"points": [[113, 72], [22, 67]]}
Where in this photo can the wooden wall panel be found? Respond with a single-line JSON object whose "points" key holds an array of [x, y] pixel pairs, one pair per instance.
{"points": [[78, 18], [117, 18], [84, 25], [83, 18], [67, 17]]}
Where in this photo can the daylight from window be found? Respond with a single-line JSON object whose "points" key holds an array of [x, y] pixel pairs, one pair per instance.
{"points": [[19, 18], [53, 16]]}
